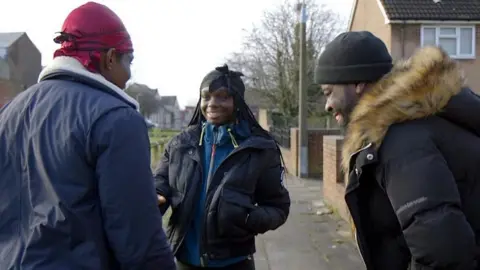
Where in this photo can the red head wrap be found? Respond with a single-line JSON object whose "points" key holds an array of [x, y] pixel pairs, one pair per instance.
{"points": [[89, 30]]}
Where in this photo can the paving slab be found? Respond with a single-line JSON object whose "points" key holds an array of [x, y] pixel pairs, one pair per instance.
{"points": [[312, 237]]}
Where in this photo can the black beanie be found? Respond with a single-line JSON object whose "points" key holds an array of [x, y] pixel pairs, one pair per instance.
{"points": [[223, 77], [353, 57]]}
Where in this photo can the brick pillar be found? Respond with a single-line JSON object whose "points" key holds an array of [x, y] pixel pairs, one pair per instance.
{"points": [[264, 119], [333, 177]]}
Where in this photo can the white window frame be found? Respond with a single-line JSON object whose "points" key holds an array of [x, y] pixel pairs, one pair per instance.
{"points": [[456, 36]]}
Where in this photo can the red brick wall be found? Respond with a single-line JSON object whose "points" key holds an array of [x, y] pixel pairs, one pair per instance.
{"points": [[290, 155], [315, 151], [333, 177]]}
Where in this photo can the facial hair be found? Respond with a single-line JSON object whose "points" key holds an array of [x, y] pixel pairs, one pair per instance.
{"points": [[344, 126]]}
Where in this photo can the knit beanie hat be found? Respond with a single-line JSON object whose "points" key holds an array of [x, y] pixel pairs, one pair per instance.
{"points": [[353, 57]]}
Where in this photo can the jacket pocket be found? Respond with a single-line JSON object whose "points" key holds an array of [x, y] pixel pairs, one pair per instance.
{"points": [[176, 199], [232, 211], [176, 210]]}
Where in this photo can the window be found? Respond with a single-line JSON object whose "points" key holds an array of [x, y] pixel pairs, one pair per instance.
{"points": [[457, 41]]}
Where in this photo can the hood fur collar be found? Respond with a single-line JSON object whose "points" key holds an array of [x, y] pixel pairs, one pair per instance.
{"points": [[70, 64], [415, 88]]}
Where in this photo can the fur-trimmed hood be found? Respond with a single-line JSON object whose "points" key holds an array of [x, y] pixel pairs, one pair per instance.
{"points": [[415, 88], [72, 65]]}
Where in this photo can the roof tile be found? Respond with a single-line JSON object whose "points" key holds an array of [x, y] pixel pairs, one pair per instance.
{"points": [[445, 10]]}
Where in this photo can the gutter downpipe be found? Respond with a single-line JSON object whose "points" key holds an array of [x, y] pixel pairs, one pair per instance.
{"points": [[404, 23]]}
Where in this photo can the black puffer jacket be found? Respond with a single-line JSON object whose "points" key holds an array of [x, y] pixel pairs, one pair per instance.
{"points": [[414, 173], [248, 179]]}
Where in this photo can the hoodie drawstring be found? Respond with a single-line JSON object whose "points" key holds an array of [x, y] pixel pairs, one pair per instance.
{"points": [[234, 142], [201, 134]]}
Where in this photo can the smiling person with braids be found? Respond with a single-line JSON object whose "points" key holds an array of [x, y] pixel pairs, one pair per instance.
{"points": [[223, 179]]}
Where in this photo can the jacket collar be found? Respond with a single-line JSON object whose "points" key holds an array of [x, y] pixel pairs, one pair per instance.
{"points": [[418, 87], [224, 134], [191, 136], [64, 65]]}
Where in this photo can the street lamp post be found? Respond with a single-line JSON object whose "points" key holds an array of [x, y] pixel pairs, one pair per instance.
{"points": [[138, 100], [302, 95]]}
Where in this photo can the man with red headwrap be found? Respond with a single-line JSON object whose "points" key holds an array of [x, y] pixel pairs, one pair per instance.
{"points": [[76, 187]]}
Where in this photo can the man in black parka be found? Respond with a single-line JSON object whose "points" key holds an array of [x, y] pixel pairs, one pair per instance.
{"points": [[411, 150]]}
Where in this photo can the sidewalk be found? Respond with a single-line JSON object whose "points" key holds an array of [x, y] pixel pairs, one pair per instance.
{"points": [[311, 238]]}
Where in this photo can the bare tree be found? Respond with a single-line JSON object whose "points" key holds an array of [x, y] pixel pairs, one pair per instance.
{"points": [[269, 57]]}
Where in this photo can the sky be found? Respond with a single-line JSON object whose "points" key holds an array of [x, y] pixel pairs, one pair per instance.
{"points": [[176, 42]]}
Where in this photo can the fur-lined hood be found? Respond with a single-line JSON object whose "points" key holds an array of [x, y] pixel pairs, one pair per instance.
{"points": [[415, 88]]}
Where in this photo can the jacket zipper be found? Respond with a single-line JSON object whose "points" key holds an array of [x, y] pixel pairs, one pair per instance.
{"points": [[360, 246], [204, 256], [203, 250]]}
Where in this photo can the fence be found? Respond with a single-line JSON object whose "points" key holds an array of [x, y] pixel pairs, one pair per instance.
{"points": [[158, 139], [156, 151], [281, 135]]}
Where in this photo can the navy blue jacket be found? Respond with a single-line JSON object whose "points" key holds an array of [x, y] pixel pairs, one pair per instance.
{"points": [[75, 181]]}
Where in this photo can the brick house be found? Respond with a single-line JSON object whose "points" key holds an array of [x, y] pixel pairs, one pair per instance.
{"points": [[20, 64], [187, 114], [161, 116], [168, 114], [170, 103], [405, 25]]}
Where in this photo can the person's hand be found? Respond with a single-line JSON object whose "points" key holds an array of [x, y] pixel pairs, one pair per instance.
{"points": [[161, 200]]}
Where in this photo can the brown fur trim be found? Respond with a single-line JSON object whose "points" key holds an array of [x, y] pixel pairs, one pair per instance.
{"points": [[415, 88]]}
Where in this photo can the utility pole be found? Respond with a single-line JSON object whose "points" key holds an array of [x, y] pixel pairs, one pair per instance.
{"points": [[302, 95], [138, 100]]}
